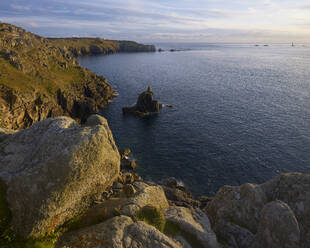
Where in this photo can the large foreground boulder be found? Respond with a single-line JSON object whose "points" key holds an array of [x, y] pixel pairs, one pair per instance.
{"points": [[274, 214], [54, 170]]}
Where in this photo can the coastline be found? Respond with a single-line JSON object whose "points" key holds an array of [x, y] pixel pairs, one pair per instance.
{"points": [[41, 77], [77, 189]]}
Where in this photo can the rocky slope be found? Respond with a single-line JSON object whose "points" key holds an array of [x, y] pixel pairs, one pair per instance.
{"points": [[69, 182], [40, 80], [95, 46]]}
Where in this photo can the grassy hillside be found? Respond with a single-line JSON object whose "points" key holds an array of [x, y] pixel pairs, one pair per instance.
{"points": [[29, 62], [40, 79]]}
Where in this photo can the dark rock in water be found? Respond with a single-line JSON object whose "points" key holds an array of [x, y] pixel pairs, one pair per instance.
{"points": [[145, 104]]}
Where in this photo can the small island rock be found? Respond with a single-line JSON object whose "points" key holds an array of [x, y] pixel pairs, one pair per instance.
{"points": [[145, 104]]}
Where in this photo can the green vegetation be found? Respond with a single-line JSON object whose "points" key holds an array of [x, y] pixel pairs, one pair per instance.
{"points": [[30, 63], [47, 242], [171, 228], [152, 216]]}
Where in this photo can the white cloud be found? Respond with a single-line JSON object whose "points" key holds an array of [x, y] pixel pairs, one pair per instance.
{"points": [[225, 20]]}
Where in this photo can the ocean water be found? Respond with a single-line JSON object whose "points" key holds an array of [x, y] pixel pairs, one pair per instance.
{"points": [[241, 113]]}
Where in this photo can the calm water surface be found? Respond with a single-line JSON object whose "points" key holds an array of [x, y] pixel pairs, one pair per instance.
{"points": [[241, 113]]}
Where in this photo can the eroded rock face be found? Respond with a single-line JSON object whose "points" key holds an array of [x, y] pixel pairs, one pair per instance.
{"points": [[117, 232], [54, 170], [238, 214], [294, 190], [193, 231], [106, 234], [195, 224], [278, 227]]}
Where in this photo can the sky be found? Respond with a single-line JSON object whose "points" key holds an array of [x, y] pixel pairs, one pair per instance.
{"points": [[164, 21]]}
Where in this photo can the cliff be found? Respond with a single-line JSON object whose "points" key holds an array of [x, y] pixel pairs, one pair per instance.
{"points": [[38, 79], [95, 46]]}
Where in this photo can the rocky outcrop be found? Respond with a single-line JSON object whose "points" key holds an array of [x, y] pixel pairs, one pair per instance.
{"points": [[278, 227], [183, 229], [131, 46], [145, 104], [40, 80], [177, 194], [61, 174], [117, 232], [95, 46], [54, 170], [195, 224], [191, 230], [244, 216]]}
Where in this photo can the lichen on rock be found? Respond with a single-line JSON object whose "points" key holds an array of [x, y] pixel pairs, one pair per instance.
{"points": [[54, 170]]}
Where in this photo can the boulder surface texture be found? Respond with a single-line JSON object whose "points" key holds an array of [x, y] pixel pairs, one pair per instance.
{"points": [[275, 214], [54, 170]]}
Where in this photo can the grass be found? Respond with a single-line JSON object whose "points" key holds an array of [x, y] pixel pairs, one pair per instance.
{"points": [[152, 216], [18, 242], [43, 80]]}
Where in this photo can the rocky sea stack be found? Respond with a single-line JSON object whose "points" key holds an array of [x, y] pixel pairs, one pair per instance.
{"points": [[145, 104]]}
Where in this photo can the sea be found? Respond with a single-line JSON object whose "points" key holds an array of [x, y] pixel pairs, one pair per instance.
{"points": [[241, 112]]}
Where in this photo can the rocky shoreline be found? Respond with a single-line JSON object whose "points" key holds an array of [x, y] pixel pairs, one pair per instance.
{"points": [[69, 181], [40, 77]]}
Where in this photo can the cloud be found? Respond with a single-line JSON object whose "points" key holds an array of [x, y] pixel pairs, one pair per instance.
{"points": [[156, 19], [19, 7]]}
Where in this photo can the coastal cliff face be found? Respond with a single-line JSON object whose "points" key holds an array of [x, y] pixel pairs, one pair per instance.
{"points": [[95, 46], [40, 80]]}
